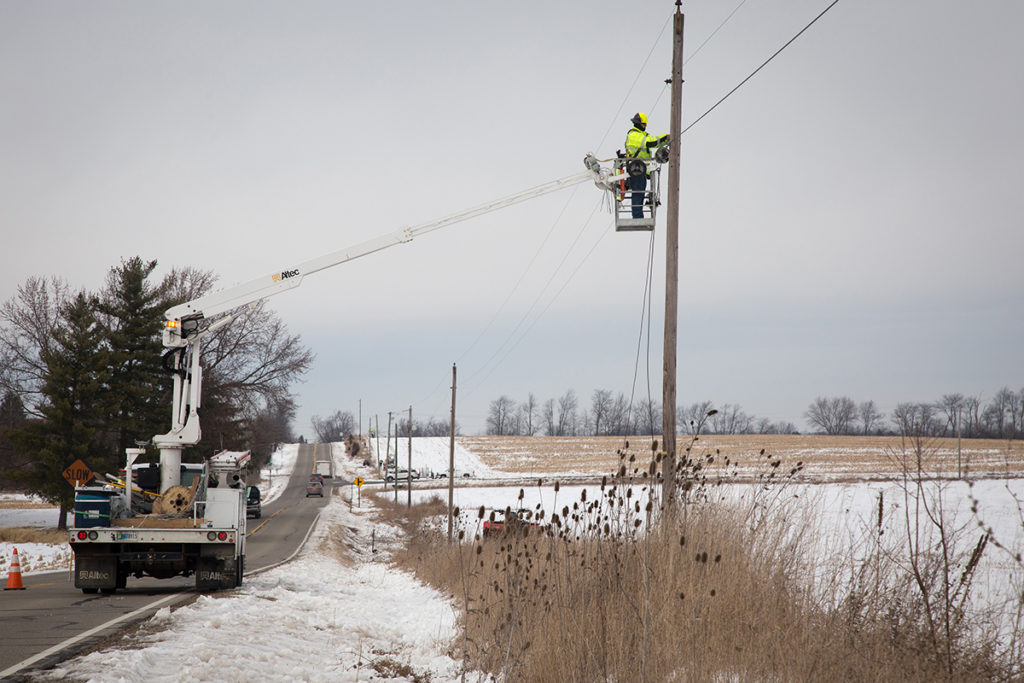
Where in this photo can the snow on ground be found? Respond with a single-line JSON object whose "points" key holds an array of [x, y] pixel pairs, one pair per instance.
{"points": [[430, 455], [32, 557], [313, 619], [321, 618]]}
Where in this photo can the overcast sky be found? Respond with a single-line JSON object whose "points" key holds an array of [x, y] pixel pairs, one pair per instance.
{"points": [[850, 218]]}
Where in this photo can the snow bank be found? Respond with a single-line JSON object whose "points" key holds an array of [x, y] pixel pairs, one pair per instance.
{"points": [[318, 618]]}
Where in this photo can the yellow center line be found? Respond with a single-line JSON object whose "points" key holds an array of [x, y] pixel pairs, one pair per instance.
{"points": [[260, 526]]}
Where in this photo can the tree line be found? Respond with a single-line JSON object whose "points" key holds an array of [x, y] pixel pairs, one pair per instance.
{"points": [[610, 414], [1002, 417], [81, 376], [342, 424]]}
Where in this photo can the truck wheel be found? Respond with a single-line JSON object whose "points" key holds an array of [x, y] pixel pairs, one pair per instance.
{"points": [[240, 570]]}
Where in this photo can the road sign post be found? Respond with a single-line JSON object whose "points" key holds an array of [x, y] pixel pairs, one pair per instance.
{"points": [[358, 481]]}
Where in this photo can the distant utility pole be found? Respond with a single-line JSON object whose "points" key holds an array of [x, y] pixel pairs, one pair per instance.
{"points": [[668, 419], [409, 503], [451, 460]]}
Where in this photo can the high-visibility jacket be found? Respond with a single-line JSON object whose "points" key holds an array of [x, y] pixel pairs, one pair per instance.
{"points": [[639, 143]]}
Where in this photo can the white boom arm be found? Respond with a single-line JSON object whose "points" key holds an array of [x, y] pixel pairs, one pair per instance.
{"points": [[261, 288], [183, 333]]}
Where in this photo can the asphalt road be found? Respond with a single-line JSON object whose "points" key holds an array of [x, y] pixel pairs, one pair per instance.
{"points": [[51, 620]]}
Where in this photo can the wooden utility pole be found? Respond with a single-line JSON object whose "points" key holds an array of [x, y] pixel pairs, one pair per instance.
{"points": [[409, 503], [668, 419], [451, 460]]}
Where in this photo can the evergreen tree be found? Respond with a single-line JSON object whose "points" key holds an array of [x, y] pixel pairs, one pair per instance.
{"points": [[12, 416], [131, 310], [73, 408]]}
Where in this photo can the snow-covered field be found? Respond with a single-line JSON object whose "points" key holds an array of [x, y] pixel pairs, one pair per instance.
{"points": [[322, 618]]}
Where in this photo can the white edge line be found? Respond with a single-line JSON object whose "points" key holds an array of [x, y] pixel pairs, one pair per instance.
{"points": [[74, 639], [291, 557]]}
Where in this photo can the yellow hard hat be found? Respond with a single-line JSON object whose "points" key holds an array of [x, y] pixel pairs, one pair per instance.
{"points": [[639, 118]]}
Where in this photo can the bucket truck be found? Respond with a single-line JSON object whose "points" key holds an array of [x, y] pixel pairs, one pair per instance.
{"points": [[196, 526]]}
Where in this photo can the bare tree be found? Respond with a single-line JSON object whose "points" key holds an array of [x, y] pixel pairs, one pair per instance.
{"points": [[998, 416], [499, 416], [832, 415], [648, 418], [972, 407], [567, 406], [529, 410], [951, 405], [548, 417], [600, 407], [28, 323], [617, 420], [585, 423], [694, 414], [869, 416], [730, 419], [917, 419], [333, 428]]}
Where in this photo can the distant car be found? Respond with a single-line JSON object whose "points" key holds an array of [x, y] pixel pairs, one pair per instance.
{"points": [[402, 475], [508, 521], [315, 486], [253, 502]]}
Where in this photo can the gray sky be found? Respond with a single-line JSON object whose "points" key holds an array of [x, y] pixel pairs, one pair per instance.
{"points": [[850, 218]]}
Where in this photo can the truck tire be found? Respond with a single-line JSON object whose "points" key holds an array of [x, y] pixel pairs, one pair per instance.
{"points": [[240, 571]]}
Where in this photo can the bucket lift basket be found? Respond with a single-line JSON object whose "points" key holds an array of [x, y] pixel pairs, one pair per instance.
{"points": [[616, 181]]}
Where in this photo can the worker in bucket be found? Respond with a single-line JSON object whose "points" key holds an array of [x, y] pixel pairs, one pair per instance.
{"points": [[640, 145]]}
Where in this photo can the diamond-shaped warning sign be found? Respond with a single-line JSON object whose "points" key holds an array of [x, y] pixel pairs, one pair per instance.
{"points": [[77, 473]]}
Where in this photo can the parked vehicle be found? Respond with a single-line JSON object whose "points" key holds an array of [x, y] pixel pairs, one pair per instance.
{"points": [[508, 521], [189, 530], [253, 502], [315, 486], [401, 475]]}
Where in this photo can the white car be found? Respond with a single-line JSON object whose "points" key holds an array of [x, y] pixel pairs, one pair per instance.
{"points": [[402, 475]]}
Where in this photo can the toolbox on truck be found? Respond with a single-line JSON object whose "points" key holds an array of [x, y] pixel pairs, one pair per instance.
{"points": [[92, 507]]}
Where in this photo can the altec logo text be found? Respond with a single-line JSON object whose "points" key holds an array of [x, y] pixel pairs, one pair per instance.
{"points": [[285, 274]]}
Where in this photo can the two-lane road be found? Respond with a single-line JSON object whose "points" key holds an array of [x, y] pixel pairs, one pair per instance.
{"points": [[51, 619]]}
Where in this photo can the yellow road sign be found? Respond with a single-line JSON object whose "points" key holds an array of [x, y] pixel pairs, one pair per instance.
{"points": [[358, 482], [77, 473]]}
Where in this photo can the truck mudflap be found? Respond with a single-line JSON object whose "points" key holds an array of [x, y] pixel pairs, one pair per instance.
{"points": [[215, 573], [96, 572]]}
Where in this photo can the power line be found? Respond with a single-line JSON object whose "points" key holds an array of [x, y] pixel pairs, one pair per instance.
{"points": [[764, 64]]}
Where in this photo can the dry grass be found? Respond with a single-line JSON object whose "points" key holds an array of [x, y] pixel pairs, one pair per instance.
{"points": [[720, 592], [824, 458], [24, 534]]}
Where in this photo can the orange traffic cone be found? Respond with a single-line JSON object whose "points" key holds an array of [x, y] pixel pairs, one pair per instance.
{"points": [[14, 577]]}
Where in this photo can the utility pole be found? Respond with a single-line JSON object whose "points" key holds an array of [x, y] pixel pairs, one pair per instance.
{"points": [[409, 503], [451, 460], [668, 419]]}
